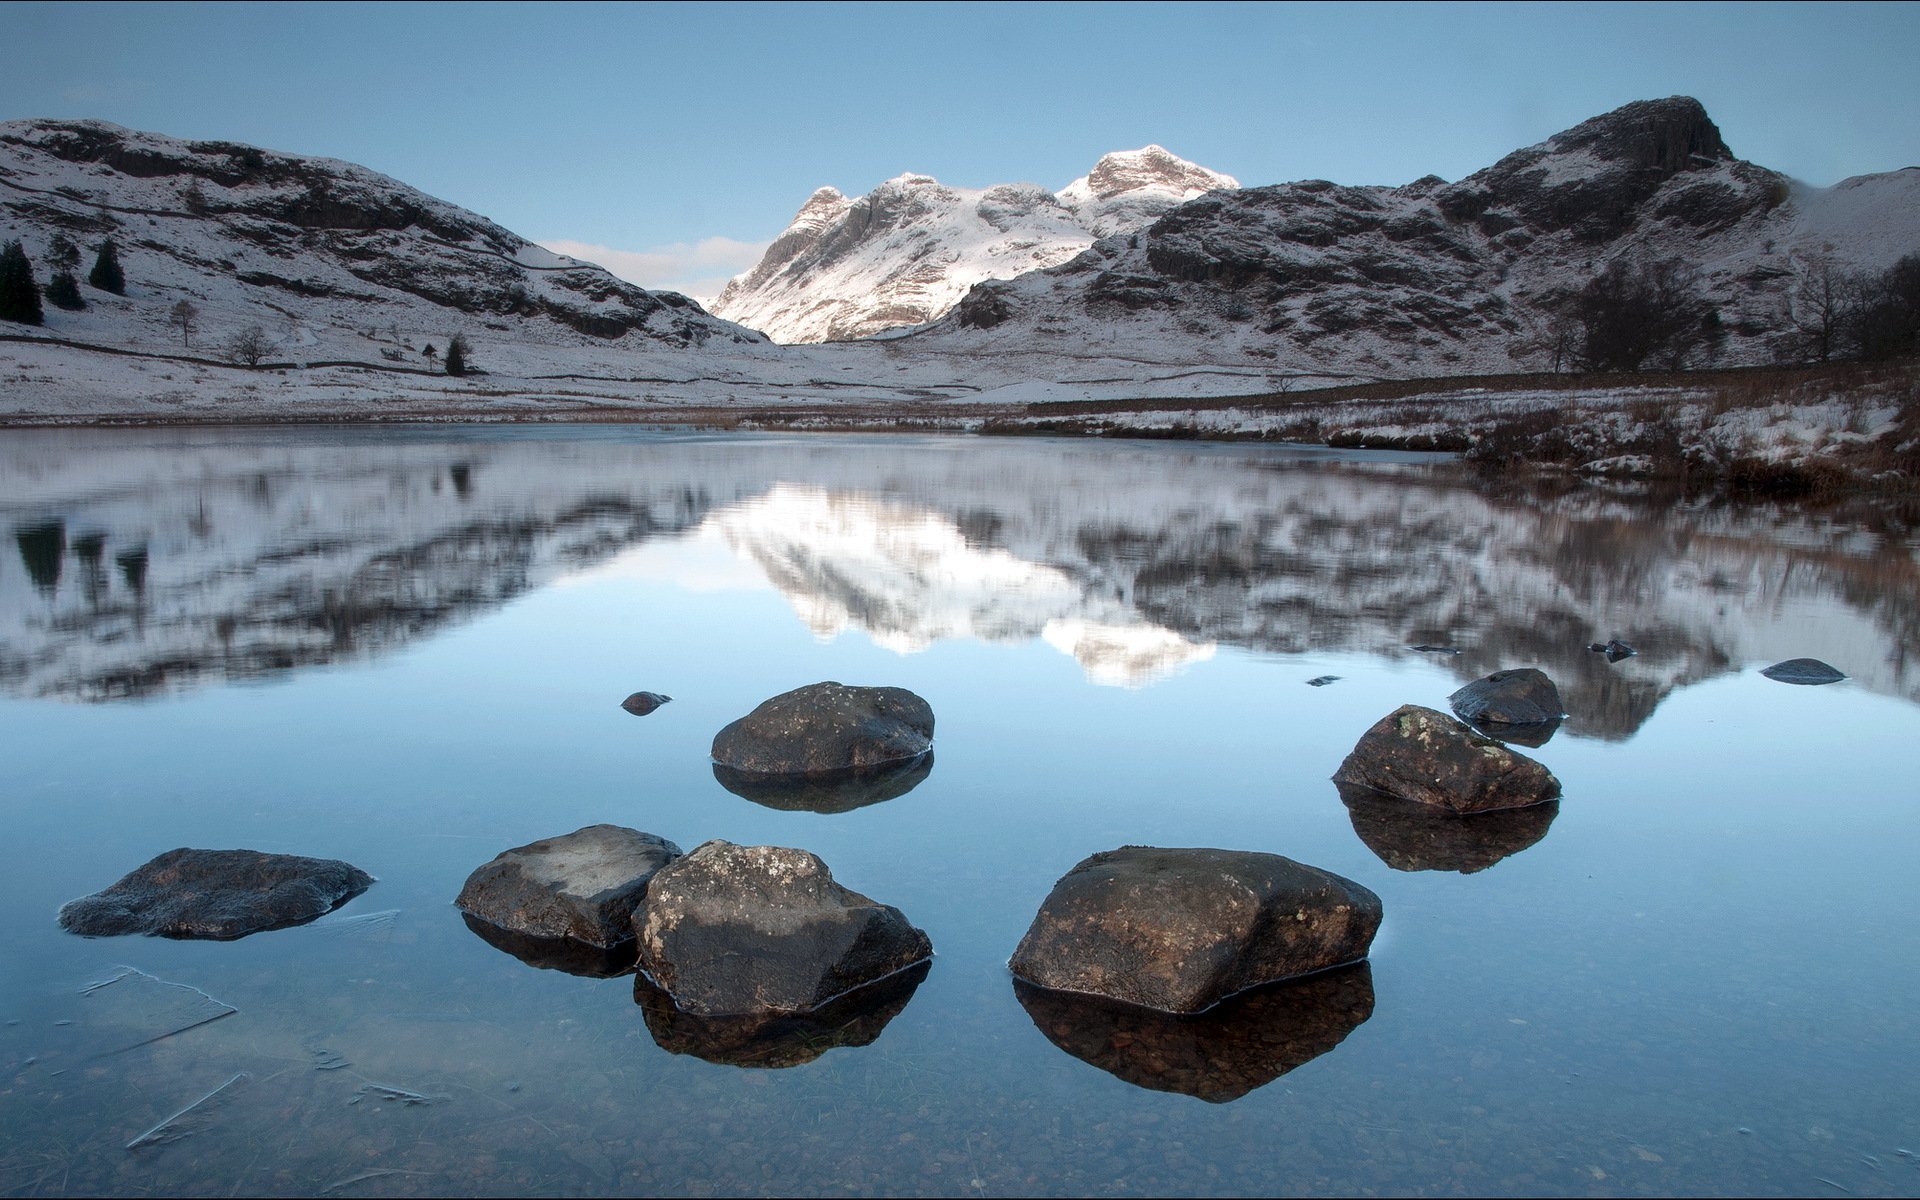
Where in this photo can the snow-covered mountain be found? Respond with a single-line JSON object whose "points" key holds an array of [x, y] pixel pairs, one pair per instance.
{"points": [[905, 252], [330, 260], [1435, 278]]}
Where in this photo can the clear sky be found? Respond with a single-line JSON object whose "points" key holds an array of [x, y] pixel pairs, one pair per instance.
{"points": [[679, 138]]}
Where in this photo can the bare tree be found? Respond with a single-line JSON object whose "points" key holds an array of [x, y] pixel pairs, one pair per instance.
{"points": [[1818, 307], [249, 346], [1633, 313], [183, 314]]}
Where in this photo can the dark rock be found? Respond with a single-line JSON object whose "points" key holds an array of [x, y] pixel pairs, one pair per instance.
{"points": [[1322, 680], [642, 703], [1427, 649], [1420, 837], [828, 792], [1523, 696], [217, 894], [557, 954], [735, 930], [583, 886], [1803, 670], [1243, 1043], [777, 1039], [1615, 650], [827, 727], [1430, 758], [1179, 930]]}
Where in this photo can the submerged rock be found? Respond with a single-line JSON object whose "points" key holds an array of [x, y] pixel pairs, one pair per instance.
{"points": [[1322, 680], [642, 703], [1809, 671], [216, 894], [1421, 837], [1243, 1043], [734, 930], [777, 1039], [827, 727], [1430, 758], [582, 886], [1180, 930], [1426, 648], [1522, 696], [828, 791]]}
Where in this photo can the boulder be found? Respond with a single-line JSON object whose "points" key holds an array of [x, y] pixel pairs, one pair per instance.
{"points": [[1430, 758], [642, 703], [777, 1039], [827, 727], [1242, 1043], [1804, 671], [1180, 930], [217, 894], [734, 930], [1522, 696], [1419, 837], [582, 886], [827, 791]]}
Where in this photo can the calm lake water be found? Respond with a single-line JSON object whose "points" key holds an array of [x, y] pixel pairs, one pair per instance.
{"points": [[407, 649]]}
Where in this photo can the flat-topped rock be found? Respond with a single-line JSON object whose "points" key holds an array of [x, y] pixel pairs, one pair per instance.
{"points": [[216, 894], [1179, 930], [1810, 671], [1431, 758], [582, 886], [736, 930], [1522, 696], [826, 727]]}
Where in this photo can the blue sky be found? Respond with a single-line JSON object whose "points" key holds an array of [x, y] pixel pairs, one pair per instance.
{"points": [[685, 136]]}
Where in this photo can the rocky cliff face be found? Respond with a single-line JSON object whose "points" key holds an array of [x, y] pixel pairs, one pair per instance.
{"points": [[1435, 278], [904, 253], [324, 255]]}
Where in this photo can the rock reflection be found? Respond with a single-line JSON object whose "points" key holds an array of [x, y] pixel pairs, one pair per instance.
{"points": [[1244, 1043], [557, 954], [1534, 734], [777, 1039], [1420, 837], [834, 792]]}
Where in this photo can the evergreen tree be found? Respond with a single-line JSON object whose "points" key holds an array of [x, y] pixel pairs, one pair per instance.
{"points": [[456, 360], [106, 274], [63, 291], [62, 255], [19, 298]]}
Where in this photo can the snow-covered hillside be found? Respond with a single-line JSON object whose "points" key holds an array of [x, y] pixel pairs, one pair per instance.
{"points": [[1435, 278], [905, 252]]}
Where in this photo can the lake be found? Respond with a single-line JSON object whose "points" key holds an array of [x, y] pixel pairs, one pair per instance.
{"points": [[407, 649]]}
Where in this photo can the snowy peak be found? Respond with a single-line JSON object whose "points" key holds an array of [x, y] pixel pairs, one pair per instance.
{"points": [[904, 253]]}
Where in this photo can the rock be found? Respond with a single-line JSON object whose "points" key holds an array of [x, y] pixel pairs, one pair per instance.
{"points": [[642, 703], [1180, 930], [777, 1039], [1523, 696], [1803, 670], [827, 727], [736, 930], [1243, 1043], [1430, 758], [1419, 837], [1322, 680], [1614, 649], [1426, 648], [583, 886], [556, 954], [217, 894], [827, 792]]}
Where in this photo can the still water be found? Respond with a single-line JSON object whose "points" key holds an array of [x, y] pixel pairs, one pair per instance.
{"points": [[407, 650]]}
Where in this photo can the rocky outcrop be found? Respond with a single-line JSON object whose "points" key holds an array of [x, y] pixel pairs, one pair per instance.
{"points": [[1180, 930], [1803, 671], [1522, 696], [1240, 1044], [1428, 757], [777, 1039], [827, 727], [583, 886], [747, 930], [216, 894]]}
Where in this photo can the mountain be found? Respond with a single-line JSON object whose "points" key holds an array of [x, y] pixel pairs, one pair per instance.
{"points": [[1434, 278], [331, 260], [905, 252]]}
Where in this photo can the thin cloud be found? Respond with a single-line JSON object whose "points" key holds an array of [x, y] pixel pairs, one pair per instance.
{"points": [[698, 269]]}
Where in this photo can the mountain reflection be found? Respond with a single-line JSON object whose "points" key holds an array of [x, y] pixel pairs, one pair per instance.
{"points": [[241, 554]]}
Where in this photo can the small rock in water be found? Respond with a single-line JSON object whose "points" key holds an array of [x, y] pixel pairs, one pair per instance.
{"points": [[1322, 680], [1614, 649], [1523, 696], [1803, 670], [219, 894], [1426, 649], [827, 727], [1430, 758], [642, 703], [582, 886]]}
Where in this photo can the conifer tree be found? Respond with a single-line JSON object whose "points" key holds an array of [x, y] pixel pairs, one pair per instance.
{"points": [[19, 298], [106, 274], [456, 360], [63, 291]]}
